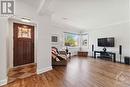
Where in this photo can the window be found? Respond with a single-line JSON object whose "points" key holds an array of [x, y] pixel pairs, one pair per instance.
{"points": [[24, 32], [71, 39]]}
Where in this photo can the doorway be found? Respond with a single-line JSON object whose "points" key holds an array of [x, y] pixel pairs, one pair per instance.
{"points": [[22, 61], [23, 43]]}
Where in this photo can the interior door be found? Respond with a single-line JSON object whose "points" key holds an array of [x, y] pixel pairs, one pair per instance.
{"points": [[23, 44]]}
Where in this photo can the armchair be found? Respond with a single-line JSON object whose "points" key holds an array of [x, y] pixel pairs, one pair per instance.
{"points": [[59, 57]]}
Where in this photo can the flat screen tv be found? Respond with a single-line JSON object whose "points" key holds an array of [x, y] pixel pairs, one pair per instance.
{"points": [[106, 42]]}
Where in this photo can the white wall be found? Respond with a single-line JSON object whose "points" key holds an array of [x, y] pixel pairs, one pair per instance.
{"points": [[43, 44], [3, 50], [45, 30], [19, 14], [43, 34], [59, 30], [121, 34], [84, 36], [43, 39]]}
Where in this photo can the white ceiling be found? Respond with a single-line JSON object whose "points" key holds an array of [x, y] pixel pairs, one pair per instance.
{"points": [[86, 14], [33, 3]]}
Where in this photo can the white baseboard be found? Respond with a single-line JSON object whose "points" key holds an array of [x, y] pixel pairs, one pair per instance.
{"points": [[3, 82], [40, 71]]}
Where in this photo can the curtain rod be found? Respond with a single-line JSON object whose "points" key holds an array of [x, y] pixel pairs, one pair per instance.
{"points": [[76, 33], [72, 33]]}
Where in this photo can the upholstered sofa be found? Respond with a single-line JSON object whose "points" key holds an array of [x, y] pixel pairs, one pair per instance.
{"points": [[61, 56]]}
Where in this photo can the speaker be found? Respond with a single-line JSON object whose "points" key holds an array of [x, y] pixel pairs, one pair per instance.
{"points": [[120, 49], [127, 60], [120, 52], [92, 48]]}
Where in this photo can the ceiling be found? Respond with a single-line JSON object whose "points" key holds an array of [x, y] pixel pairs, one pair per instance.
{"points": [[33, 3], [85, 14]]}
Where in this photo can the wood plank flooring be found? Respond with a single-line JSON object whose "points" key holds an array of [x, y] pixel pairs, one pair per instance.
{"points": [[21, 72], [80, 72]]}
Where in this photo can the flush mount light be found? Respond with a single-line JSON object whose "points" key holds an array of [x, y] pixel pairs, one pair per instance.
{"points": [[26, 19], [64, 18]]}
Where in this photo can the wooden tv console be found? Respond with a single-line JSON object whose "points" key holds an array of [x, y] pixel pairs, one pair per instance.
{"points": [[82, 54]]}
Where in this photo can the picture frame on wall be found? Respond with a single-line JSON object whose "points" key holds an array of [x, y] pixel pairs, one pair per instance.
{"points": [[54, 39], [84, 40]]}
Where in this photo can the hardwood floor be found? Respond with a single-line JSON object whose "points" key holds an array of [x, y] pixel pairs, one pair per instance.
{"points": [[21, 72], [80, 72]]}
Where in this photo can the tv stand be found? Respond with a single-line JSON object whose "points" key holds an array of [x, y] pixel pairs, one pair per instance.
{"points": [[104, 54]]}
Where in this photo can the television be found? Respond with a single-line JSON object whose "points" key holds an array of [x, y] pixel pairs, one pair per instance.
{"points": [[106, 42]]}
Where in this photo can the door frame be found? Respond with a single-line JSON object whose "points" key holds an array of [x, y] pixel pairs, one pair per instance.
{"points": [[11, 40], [24, 43]]}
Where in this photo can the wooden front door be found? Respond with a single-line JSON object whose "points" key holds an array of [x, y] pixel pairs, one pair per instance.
{"points": [[23, 44]]}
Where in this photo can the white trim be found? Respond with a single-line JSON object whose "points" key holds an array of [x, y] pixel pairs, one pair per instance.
{"points": [[40, 71], [107, 25], [3, 82], [62, 24], [10, 32], [41, 6]]}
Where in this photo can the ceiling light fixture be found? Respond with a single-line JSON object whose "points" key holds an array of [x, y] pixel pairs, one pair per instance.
{"points": [[26, 19], [65, 18]]}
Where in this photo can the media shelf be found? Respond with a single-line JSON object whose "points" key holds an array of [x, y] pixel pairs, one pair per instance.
{"points": [[108, 55]]}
